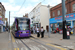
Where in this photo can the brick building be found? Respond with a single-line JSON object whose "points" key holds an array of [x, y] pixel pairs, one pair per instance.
{"points": [[56, 15], [57, 10]]}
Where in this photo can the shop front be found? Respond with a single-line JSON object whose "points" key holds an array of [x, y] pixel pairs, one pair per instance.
{"points": [[1, 26], [57, 21]]}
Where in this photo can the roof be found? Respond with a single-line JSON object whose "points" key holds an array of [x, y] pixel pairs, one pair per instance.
{"points": [[21, 17]]}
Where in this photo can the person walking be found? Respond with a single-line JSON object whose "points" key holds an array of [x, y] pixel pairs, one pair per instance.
{"points": [[38, 34], [42, 32]]}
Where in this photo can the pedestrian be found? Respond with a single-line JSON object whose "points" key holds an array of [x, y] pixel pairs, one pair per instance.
{"points": [[69, 30], [42, 32], [31, 31], [38, 34]]}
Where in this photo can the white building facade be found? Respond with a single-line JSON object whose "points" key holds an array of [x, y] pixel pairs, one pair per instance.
{"points": [[40, 15]]}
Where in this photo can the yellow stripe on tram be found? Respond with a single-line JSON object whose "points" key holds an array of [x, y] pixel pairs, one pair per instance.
{"points": [[57, 47]]}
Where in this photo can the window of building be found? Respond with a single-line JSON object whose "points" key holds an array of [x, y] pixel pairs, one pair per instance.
{"points": [[66, 10], [58, 12], [53, 14], [74, 7]]}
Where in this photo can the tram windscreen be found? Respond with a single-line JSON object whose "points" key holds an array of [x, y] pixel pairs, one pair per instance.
{"points": [[23, 24]]}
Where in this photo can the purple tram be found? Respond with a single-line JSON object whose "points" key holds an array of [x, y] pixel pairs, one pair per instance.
{"points": [[21, 27]]}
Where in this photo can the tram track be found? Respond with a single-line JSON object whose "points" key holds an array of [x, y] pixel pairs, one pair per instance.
{"points": [[25, 44], [41, 43], [35, 42]]}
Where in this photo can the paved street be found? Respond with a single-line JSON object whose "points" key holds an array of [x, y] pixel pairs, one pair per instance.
{"points": [[56, 39], [4, 40], [31, 44], [8, 42]]}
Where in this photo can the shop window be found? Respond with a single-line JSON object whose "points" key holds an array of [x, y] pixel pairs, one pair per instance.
{"points": [[66, 10], [73, 7], [60, 25], [68, 23], [74, 22]]}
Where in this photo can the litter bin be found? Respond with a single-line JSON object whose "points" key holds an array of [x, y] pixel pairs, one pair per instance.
{"points": [[68, 35]]}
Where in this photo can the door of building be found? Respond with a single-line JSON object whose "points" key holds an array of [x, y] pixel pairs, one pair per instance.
{"points": [[47, 28]]}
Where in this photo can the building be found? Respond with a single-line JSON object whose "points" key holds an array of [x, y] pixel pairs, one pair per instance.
{"points": [[6, 23], [39, 16], [2, 18], [56, 15]]}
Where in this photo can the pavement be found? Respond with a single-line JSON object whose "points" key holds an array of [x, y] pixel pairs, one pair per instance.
{"points": [[4, 40], [54, 39], [57, 39]]}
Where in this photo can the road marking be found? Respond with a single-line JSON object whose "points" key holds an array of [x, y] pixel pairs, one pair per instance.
{"points": [[16, 41], [57, 47], [31, 47], [16, 48], [13, 40], [15, 45], [22, 49], [36, 48], [43, 47]]}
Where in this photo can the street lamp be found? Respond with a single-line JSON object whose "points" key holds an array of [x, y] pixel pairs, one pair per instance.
{"points": [[64, 19], [49, 18]]}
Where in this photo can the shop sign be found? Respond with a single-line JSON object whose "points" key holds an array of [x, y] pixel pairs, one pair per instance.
{"points": [[67, 16], [0, 17], [58, 18]]}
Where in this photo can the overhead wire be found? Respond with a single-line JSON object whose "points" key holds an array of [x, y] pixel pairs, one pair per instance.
{"points": [[21, 5]]}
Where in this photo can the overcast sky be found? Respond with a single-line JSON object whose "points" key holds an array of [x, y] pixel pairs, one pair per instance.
{"points": [[14, 6]]}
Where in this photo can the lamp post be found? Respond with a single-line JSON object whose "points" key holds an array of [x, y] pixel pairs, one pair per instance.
{"points": [[49, 18], [64, 19], [9, 21]]}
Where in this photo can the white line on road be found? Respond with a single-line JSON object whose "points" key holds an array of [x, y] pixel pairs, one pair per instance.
{"points": [[43, 47], [16, 41], [15, 45], [22, 49], [36, 48], [31, 47]]}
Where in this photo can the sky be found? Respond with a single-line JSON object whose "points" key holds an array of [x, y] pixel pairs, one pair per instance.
{"points": [[18, 8]]}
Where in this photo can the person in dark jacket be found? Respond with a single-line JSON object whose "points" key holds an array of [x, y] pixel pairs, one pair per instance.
{"points": [[42, 32], [37, 30]]}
